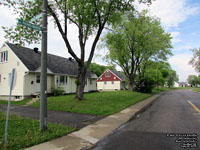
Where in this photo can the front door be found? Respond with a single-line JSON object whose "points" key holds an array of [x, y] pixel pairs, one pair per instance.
{"points": [[37, 83]]}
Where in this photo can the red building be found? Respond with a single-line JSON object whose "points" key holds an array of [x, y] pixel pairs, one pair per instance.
{"points": [[111, 80]]}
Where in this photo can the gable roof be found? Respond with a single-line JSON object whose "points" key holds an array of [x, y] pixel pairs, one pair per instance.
{"points": [[119, 74], [56, 64]]}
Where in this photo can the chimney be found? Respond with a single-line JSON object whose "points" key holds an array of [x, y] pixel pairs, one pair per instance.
{"points": [[35, 50]]}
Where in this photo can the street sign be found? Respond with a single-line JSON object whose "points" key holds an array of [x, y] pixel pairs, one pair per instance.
{"points": [[30, 25], [36, 17]]}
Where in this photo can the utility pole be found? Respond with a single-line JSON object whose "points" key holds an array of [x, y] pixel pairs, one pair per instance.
{"points": [[43, 77]]}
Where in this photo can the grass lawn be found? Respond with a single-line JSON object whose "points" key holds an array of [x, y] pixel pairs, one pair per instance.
{"points": [[22, 102], [100, 103], [196, 89], [24, 132]]}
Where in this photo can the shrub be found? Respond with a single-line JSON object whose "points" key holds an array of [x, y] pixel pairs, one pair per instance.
{"points": [[56, 91]]}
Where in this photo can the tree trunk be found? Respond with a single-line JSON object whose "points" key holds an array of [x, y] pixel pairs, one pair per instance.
{"points": [[80, 83], [130, 83]]}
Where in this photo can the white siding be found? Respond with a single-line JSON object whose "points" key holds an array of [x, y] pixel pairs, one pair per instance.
{"points": [[30, 83], [70, 87], [6, 68], [109, 86]]}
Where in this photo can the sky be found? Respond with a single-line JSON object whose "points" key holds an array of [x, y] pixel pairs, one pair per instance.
{"points": [[181, 18]]}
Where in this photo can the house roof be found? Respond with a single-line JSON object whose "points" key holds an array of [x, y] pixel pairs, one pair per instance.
{"points": [[119, 74], [56, 64]]}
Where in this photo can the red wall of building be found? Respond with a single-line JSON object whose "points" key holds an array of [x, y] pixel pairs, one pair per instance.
{"points": [[111, 78]]}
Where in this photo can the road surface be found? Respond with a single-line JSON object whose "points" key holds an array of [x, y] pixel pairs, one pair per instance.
{"points": [[171, 123]]}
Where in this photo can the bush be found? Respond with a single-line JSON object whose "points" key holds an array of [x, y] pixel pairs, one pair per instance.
{"points": [[56, 91]]}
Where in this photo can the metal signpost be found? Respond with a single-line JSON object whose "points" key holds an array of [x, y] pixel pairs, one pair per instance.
{"points": [[43, 90], [43, 84], [13, 79]]}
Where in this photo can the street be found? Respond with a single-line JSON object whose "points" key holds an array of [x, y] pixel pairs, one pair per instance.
{"points": [[171, 123]]}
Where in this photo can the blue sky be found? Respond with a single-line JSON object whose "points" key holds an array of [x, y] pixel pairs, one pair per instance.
{"points": [[179, 17]]}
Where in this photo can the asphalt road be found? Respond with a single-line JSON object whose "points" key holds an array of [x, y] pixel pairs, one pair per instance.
{"points": [[171, 123]]}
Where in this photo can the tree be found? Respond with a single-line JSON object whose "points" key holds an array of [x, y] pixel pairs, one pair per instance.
{"points": [[89, 16], [136, 40], [193, 80], [155, 74], [99, 69], [172, 78], [195, 61]]}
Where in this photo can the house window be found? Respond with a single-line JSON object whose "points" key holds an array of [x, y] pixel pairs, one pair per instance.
{"points": [[61, 80], [107, 74], [113, 82], [105, 82], [4, 56], [85, 81], [90, 82], [37, 78]]}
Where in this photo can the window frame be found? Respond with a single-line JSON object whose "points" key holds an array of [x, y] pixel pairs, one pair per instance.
{"points": [[3, 56], [108, 73]]}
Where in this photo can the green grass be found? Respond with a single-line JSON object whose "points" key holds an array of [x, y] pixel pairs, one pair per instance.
{"points": [[22, 102], [24, 132], [196, 89], [100, 103]]}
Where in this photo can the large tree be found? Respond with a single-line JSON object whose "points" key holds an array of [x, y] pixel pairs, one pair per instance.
{"points": [[156, 73], [89, 16], [172, 78], [136, 40], [193, 80], [195, 61]]}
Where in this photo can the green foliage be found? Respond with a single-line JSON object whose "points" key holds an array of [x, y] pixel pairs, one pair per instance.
{"points": [[195, 61], [24, 132], [193, 80], [172, 78], [99, 69], [57, 91], [135, 41]]}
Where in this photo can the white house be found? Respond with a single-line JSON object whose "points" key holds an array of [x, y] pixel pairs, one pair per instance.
{"points": [[111, 80], [60, 72]]}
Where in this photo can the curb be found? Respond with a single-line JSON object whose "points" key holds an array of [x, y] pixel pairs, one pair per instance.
{"points": [[90, 135]]}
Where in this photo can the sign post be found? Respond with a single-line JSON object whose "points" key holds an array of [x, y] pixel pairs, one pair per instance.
{"points": [[43, 83], [8, 109]]}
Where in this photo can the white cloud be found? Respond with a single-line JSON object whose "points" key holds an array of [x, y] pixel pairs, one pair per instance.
{"points": [[175, 36], [180, 64], [171, 12]]}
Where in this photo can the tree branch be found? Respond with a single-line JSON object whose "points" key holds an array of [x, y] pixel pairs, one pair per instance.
{"points": [[63, 35]]}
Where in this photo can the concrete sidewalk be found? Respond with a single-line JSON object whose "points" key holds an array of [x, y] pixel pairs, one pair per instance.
{"points": [[91, 134]]}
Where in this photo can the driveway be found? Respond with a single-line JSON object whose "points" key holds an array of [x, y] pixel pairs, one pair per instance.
{"points": [[65, 118]]}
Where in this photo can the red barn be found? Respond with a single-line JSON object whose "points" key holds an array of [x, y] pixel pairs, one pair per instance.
{"points": [[111, 80]]}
